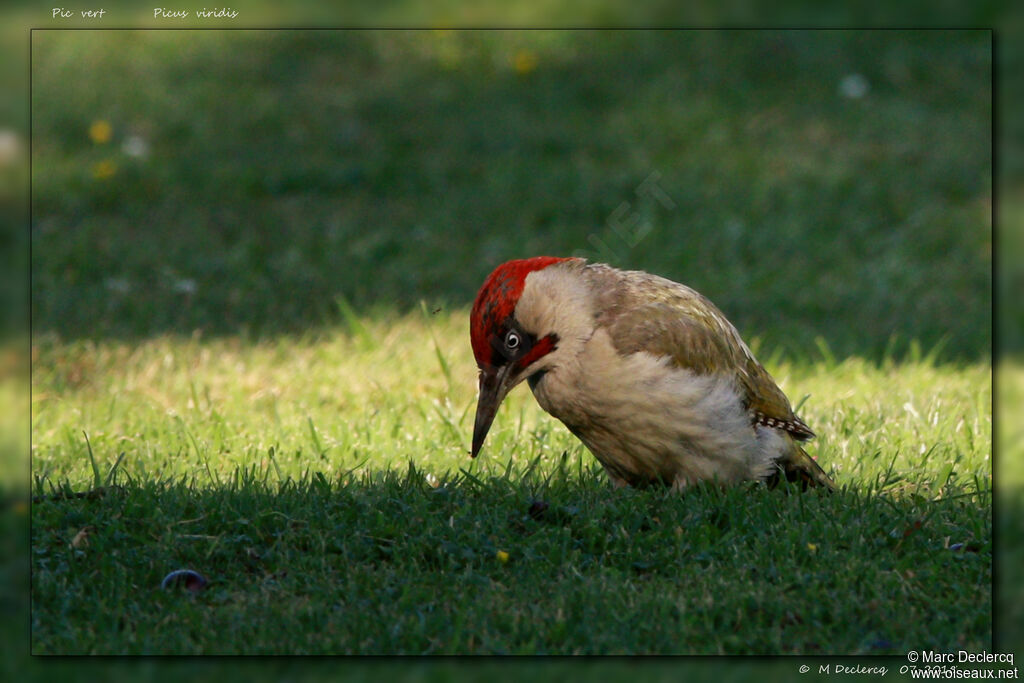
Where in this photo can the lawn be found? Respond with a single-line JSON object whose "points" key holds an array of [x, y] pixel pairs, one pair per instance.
{"points": [[253, 254]]}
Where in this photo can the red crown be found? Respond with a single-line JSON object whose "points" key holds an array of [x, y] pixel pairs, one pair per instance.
{"points": [[496, 302]]}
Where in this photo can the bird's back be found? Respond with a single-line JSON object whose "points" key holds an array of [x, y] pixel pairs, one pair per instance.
{"points": [[646, 313]]}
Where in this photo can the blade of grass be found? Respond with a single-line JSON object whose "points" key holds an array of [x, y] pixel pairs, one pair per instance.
{"points": [[199, 453], [113, 469], [320, 450], [825, 351], [441, 360], [96, 481], [353, 324], [271, 453]]}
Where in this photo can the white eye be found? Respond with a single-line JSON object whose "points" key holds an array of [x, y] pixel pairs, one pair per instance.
{"points": [[512, 340]]}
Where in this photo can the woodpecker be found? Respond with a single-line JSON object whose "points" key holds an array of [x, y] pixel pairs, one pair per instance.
{"points": [[646, 372]]}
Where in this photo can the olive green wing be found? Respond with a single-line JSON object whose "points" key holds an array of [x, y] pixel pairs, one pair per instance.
{"points": [[666, 319]]}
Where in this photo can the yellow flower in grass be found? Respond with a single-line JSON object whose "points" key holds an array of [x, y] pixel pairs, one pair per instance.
{"points": [[502, 556], [524, 62], [103, 170], [100, 132]]}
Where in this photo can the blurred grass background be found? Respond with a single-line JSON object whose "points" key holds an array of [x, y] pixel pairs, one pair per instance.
{"points": [[817, 184], [962, 343]]}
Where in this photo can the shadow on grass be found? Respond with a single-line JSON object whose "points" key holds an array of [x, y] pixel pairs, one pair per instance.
{"points": [[397, 562], [830, 184]]}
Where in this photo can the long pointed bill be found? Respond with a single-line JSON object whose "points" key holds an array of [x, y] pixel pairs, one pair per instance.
{"points": [[492, 392]]}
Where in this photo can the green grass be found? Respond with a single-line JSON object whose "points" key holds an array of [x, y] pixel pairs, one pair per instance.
{"points": [[286, 168], [253, 339], [328, 495], [1009, 513]]}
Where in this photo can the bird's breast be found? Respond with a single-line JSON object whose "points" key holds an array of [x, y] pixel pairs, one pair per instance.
{"points": [[641, 415]]}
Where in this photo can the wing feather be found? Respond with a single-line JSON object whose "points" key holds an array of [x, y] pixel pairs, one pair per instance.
{"points": [[644, 312]]}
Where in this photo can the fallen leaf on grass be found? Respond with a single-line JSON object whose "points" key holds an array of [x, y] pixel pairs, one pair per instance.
{"points": [[81, 539], [190, 579]]}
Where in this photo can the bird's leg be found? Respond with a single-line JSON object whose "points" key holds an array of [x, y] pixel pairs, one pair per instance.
{"points": [[680, 484], [617, 482]]}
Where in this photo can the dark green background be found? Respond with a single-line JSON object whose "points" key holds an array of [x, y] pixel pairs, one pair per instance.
{"points": [[292, 170]]}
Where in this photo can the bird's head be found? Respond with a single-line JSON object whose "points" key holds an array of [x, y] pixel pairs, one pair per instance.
{"points": [[511, 340]]}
